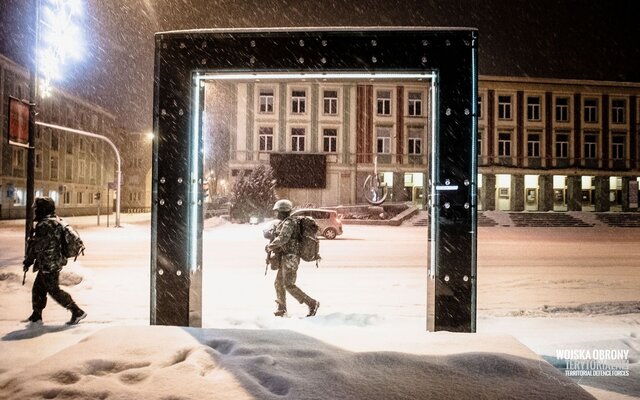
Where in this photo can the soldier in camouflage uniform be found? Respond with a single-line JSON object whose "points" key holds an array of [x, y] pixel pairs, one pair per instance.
{"points": [[45, 253], [285, 246]]}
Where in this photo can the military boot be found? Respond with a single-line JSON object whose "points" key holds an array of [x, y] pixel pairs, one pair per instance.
{"points": [[76, 315], [35, 317], [281, 311], [313, 307]]}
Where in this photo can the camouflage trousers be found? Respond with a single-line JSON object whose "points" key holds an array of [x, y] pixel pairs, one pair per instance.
{"points": [[286, 282], [48, 282]]}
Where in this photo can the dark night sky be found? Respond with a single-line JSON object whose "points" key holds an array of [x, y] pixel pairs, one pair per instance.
{"points": [[577, 39]]}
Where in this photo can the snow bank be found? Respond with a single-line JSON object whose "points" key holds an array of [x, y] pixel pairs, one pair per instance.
{"points": [[188, 363]]}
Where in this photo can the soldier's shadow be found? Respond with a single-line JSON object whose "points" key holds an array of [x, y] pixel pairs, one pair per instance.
{"points": [[35, 330]]}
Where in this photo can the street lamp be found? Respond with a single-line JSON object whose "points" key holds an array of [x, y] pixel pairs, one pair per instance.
{"points": [[62, 40]]}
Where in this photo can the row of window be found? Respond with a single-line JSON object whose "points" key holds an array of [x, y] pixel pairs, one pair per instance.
{"points": [[54, 109], [330, 102], [19, 161], [561, 114], [562, 143], [330, 139], [84, 145]]}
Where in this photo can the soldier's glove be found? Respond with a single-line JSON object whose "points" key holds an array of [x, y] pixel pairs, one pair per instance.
{"points": [[25, 266]]}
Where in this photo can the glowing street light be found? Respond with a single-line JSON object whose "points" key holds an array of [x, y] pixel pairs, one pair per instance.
{"points": [[60, 37]]}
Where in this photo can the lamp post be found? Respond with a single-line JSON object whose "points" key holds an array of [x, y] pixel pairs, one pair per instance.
{"points": [[62, 39], [33, 92]]}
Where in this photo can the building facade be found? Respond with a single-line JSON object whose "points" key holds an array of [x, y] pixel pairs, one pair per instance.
{"points": [[557, 145], [543, 144], [70, 168], [359, 128], [136, 172]]}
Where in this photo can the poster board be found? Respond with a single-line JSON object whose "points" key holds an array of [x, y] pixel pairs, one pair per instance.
{"points": [[18, 122]]}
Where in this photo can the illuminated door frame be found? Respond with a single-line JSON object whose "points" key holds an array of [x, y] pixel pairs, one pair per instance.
{"points": [[183, 60]]}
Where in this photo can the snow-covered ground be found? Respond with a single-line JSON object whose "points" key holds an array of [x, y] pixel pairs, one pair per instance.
{"points": [[549, 289]]}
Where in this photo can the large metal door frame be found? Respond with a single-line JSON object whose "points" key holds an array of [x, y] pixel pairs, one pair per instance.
{"points": [[184, 59]]}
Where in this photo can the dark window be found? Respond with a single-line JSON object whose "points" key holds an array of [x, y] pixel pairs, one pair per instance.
{"points": [[384, 102], [590, 110], [504, 145], [504, 107], [533, 108], [562, 109]]}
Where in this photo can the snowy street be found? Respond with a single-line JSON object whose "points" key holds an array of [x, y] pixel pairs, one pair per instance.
{"points": [[551, 289]]}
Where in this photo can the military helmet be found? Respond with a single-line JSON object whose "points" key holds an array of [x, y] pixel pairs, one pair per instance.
{"points": [[44, 206], [283, 205]]}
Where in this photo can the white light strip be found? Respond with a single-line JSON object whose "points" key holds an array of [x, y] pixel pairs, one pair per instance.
{"points": [[432, 166], [194, 169], [451, 187], [320, 76]]}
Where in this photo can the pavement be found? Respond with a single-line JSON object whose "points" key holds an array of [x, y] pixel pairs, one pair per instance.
{"points": [[550, 219], [89, 220]]}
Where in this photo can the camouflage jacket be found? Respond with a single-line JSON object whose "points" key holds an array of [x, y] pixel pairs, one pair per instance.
{"points": [[44, 245], [286, 238]]}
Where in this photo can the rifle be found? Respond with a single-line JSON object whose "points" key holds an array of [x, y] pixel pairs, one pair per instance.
{"points": [[266, 265], [268, 234], [24, 277]]}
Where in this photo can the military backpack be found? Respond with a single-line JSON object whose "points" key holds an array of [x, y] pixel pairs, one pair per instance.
{"points": [[309, 245], [71, 245]]}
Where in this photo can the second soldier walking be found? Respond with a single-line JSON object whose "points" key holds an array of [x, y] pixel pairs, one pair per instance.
{"points": [[284, 246]]}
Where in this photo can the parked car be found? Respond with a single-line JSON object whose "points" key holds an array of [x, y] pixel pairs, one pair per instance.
{"points": [[329, 225]]}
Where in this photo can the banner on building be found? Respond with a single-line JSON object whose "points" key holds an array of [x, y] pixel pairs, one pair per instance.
{"points": [[633, 194], [18, 122]]}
